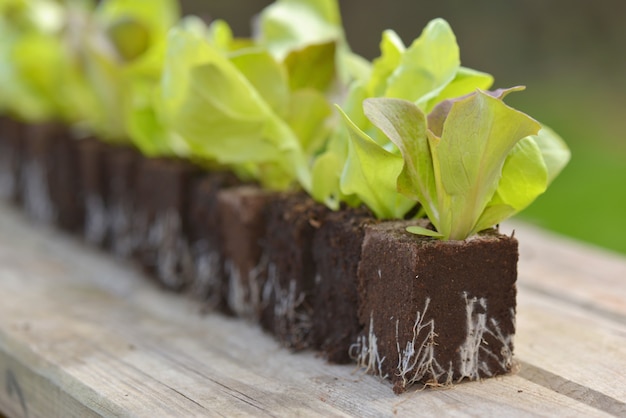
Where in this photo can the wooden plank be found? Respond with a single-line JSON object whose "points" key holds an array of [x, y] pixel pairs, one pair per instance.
{"points": [[81, 334], [565, 269]]}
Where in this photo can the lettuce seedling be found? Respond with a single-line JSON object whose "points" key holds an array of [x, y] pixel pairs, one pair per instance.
{"points": [[259, 106], [38, 55], [124, 47], [426, 72], [470, 163]]}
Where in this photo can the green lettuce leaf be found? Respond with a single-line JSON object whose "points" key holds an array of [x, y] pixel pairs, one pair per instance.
{"points": [[289, 25], [477, 136], [235, 108], [416, 180], [427, 66], [371, 172], [471, 164]]}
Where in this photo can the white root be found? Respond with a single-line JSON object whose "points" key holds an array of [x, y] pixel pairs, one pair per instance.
{"points": [[173, 257], [292, 319], [207, 277], [365, 352], [417, 361], [244, 298], [474, 350]]}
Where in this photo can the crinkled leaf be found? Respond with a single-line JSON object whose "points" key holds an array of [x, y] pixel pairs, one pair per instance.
{"points": [[371, 173]]}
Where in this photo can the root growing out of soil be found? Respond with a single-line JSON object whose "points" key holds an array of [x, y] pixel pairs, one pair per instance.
{"points": [[292, 315], [244, 297], [473, 351], [417, 361], [173, 257], [207, 273], [365, 352]]}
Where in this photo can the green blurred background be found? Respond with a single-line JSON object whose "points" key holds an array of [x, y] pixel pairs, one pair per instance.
{"points": [[571, 55]]}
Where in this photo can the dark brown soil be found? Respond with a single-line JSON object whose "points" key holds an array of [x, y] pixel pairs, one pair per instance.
{"points": [[208, 281], [121, 163], [337, 252], [11, 156], [242, 213], [293, 220], [93, 177], [163, 189], [52, 190], [454, 301]]}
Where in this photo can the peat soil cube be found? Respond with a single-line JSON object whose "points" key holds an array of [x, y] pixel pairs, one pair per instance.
{"points": [[163, 187], [435, 312], [121, 164], [50, 180], [208, 282], [242, 222], [337, 252], [287, 297], [66, 190], [11, 154], [91, 161]]}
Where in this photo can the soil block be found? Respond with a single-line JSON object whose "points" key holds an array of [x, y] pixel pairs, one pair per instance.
{"points": [[287, 298], [242, 213], [208, 282], [121, 164], [51, 186], [435, 312], [11, 150], [163, 189], [93, 178], [337, 252]]}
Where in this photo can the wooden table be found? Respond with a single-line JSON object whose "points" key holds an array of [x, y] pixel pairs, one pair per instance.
{"points": [[82, 334]]}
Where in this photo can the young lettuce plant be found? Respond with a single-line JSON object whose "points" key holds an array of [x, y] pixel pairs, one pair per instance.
{"points": [[124, 50], [426, 72], [470, 163], [258, 106], [39, 55]]}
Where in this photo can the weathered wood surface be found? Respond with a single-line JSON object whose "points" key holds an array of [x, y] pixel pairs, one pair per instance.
{"points": [[83, 335]]}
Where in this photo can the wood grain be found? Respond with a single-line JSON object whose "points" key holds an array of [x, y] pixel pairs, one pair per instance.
{"points": [[82, 334]]}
